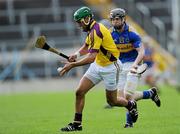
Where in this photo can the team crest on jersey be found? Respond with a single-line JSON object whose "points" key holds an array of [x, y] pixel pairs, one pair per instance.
{"points": [[127, 40], [121, 40]]}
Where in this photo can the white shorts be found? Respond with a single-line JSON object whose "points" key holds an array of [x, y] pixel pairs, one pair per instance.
{"points": [[108, 74], [123, 75]]}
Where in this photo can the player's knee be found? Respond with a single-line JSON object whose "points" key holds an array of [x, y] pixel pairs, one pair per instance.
{"points": [[129, 94], [79, 93]]}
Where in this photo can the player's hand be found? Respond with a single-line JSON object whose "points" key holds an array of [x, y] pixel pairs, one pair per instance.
{"points": [[134, 69], [72, 58], [68, 66]]}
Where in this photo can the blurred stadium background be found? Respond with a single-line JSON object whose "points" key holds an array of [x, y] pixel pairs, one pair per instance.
{"points": [[23, 20]]}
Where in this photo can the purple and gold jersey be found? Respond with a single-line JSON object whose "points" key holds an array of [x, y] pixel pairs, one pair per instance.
{"points": [[99, 40], [127, 42]]}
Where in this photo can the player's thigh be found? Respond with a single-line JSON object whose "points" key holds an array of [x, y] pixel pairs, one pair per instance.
{"points": [[84, 86], [93, 74]]}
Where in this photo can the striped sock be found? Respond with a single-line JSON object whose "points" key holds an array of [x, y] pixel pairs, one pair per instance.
{"points": [[147, 94]]}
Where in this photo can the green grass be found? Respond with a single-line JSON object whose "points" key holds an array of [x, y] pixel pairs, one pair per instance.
{"points": [[45, 113]]}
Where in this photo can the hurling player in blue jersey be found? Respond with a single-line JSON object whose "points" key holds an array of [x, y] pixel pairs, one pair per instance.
{"points": [[131, 55]]}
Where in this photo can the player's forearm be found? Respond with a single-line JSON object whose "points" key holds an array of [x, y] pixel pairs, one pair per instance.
{"points": [[86, 60], [140, 56], [138, 59]]}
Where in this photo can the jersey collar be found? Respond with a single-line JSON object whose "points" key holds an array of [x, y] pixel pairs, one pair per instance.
{"points": [[92, 24]]}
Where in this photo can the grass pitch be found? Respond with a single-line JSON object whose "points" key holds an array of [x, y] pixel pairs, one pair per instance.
{"points": [[45, 113]]}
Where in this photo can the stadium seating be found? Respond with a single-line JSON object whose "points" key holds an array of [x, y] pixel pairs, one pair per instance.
{"points": [[20, 20]]}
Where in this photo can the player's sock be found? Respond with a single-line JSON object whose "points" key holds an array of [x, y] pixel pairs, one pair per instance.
{"points": [[128, 118], [147, 94], [78, 118], [132, 108], [129, 105]]}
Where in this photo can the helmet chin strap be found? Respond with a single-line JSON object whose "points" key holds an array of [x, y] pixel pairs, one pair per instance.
{"points": [[119, 26], [87, 28], [86, 23]]}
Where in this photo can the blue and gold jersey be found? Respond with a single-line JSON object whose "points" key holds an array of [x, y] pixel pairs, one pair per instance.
{"points": [[127, 42]]}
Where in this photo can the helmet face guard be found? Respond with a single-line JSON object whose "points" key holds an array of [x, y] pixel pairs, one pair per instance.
{"points": [[83, 17], [84, 25], [117, 12]]}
